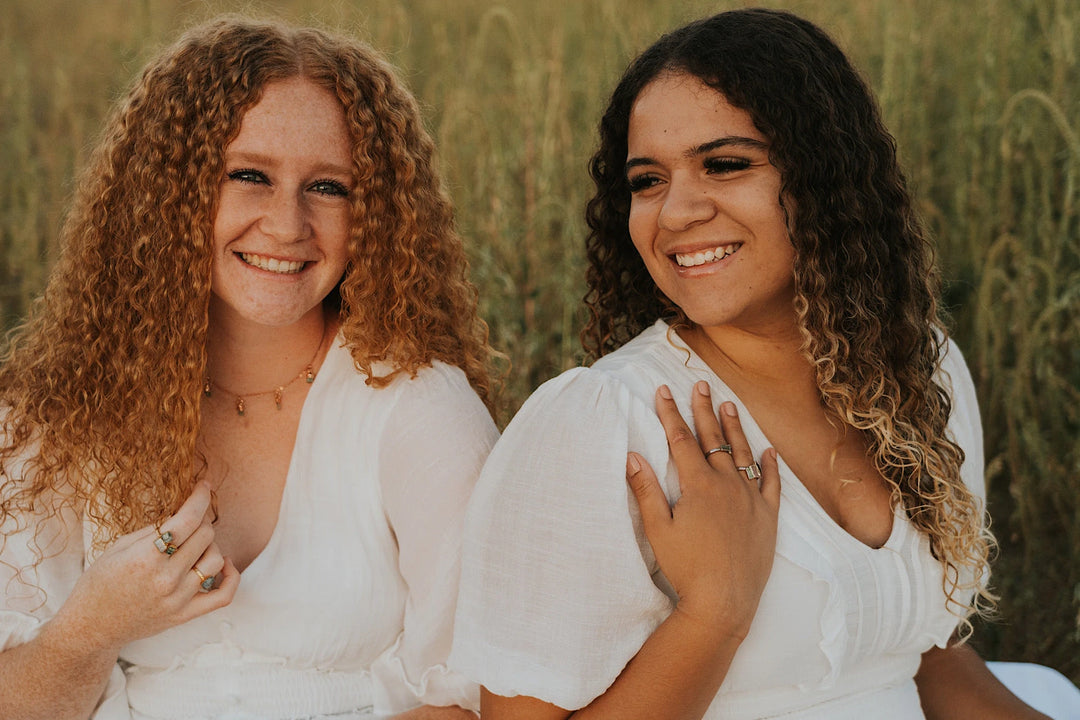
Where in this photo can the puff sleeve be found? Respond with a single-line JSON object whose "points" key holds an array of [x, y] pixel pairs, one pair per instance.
{"points": [[964, 423], [557, 589], [434, 443], [41, 559]]}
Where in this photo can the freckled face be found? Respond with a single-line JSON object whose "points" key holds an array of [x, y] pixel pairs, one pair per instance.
{"points": [[705, 212], [282, 226]]}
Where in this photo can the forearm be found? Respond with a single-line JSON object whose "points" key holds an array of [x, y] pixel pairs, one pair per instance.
{"points": [[955, 684], [675, 675], [58, 676]]}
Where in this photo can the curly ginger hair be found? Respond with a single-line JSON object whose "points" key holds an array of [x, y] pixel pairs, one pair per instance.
{"points": [[101, 385], [865, 281]]}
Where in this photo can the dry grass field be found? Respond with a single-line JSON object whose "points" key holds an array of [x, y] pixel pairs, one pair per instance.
{"points": [[983, 97]]}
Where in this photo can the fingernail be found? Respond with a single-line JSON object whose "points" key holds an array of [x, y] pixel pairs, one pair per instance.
{"points": [[729, 409], [632, 464], [702, 387], [665, 392], [771, 452]]}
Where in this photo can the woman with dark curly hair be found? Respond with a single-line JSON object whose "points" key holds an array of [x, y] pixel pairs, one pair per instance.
{"points": [[751, 232], [241, 426]]}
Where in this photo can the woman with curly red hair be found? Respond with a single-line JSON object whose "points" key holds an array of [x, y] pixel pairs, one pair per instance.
{"points": [[240, 426], [751, 233]]}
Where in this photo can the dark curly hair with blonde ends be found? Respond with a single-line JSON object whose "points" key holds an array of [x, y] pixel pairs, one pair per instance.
{"points": [[866, 284], [101, 385]]}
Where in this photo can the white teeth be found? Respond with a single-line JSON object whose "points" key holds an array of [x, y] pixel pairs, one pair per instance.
{"points": [[700, 258], [283, 267]]}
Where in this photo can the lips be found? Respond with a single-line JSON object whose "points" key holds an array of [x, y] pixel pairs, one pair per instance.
{"points": [[281, 267], [706, 256]]}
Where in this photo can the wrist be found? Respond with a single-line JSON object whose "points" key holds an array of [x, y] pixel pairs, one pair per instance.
{"points": [[69, 635], [712, 621]]}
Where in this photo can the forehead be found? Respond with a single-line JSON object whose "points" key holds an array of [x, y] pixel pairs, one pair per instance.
{"points": [[295, 115], [679, 110]]}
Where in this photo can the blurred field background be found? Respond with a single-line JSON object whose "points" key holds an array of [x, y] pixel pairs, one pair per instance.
{"points": [[983, 97]]}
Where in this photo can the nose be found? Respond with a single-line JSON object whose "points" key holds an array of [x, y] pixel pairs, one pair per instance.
{"points": [[285, 217], [686, 204]]}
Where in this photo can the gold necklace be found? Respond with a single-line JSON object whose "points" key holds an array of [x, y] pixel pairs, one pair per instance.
{"points": [[308, 373]]}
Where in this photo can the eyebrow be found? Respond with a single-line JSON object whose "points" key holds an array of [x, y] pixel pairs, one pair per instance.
{"points": [[241, 156], [737, 141]]}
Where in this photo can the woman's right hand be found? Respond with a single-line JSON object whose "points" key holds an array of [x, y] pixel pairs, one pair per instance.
{"points": [[134, 590], [716, 544]]}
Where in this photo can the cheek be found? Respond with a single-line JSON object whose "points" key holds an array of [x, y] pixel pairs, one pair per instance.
{"points": [[338, 239], [336, 255], [339, 263], [648, 258], [654, 264], [226, 221], [639, 226]]}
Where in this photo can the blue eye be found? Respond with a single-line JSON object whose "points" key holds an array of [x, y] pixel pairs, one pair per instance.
{"points": [[330, 187], [248, 176]]}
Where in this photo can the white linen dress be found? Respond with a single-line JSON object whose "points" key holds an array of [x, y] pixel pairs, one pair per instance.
{"points": [[348, 611], [560, 589]]}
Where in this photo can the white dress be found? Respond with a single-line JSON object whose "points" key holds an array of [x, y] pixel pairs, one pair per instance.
{"points": [[560, 589], [348, 611]]}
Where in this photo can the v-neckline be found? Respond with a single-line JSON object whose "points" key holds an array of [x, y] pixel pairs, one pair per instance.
{"points": [[301, 429], [676, 343]]}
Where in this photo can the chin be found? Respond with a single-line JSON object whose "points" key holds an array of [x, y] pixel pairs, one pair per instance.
{"points": [[265, 316], [705, 316]]}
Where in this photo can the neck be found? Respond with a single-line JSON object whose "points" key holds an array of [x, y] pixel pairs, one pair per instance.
{"points": [[770, 359], [247, 358]]}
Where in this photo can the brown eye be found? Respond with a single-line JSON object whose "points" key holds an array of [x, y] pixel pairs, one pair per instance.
{"points": [[716, 166], [641, 182]]}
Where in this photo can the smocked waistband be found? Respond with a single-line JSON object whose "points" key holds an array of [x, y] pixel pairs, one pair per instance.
{"points": [[257, 690]]}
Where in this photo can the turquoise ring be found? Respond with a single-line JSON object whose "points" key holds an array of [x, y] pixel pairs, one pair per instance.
{"points": [[163, 542], [753, 471], [206, 583]]}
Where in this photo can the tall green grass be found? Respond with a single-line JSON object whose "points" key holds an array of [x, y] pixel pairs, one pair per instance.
{"points": [[984, 99]]}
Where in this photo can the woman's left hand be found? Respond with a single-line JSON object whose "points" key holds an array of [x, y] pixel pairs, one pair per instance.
{"points": [[716, 544]]}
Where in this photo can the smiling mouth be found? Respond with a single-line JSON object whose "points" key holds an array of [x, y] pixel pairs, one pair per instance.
{"points": [[706, 256], [282, 267]]}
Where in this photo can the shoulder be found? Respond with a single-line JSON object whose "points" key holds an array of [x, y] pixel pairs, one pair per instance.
{"points": [[438, 395], [625, 377], [965, 425], [652, 354], [953, 371], [357, 418], [955, 378], [439, 385], [575, 429]]}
